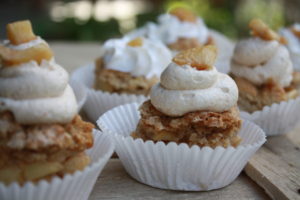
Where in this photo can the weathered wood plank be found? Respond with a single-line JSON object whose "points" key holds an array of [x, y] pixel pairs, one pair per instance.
{"points": [[115, 183], [279, 179]]}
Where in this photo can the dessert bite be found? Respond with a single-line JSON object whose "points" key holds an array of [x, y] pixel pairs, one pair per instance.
{"points": [[130, 66], [180, 29], [262, 69], [292, 35], [41, 134], [193, 103]]}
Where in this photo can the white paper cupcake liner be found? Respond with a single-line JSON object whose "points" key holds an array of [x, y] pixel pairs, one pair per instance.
{"points": [[80, 93], [99, 102], [277, 119], [177, 167], [76, 186]]}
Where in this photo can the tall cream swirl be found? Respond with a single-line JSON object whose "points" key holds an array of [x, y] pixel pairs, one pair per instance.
{"points": [[258, 60], [37, 93], [148, 60], [185, 89]]}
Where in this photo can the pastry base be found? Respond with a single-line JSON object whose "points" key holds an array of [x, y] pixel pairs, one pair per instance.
{"points": [[202, 128], [253, 98], [188, 43], [121, 82], [34, 152]]}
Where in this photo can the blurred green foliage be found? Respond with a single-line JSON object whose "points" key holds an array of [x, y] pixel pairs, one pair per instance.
{"points": [[230, 17]]}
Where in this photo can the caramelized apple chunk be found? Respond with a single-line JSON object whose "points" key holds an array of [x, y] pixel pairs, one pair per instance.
{"points": [[137, 42], [11, 57], [201, 58], [260, 29], [184, 14], [296, 32], [20, 32]]}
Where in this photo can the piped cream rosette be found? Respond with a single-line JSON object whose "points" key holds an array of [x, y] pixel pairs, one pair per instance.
{"points": [[186, 86], [165, 165], [33, 86]]}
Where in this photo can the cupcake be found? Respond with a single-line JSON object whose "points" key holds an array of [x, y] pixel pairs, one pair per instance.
{"points": [[191, 121], [42, 136], [292, 35], [124, 73], [263, 71], [130, 66], [193, 103], [180, 29]]}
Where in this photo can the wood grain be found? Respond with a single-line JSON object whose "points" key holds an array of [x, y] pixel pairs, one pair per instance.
{"points": [[115, 183]]}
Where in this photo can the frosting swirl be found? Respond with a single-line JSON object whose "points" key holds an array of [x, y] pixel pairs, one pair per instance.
{"points": [[259, 60], [36, 93], [149, 59], [185, 89], [169, 29]]}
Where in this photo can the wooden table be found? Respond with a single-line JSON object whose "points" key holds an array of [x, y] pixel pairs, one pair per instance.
{"points": [[274, 171]]}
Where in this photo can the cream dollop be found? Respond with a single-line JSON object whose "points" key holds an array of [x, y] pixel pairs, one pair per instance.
{"points": [[30, 80], [257, 61], [37, 93], [185, 89], [148, 60], [293, 44], [169, 29], [60, 109]]}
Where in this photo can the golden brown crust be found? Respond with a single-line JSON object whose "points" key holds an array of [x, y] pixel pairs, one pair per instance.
{"points": [[34, 152], [12, 170], [253, 97], [121, 82], [188, 43], [203, 128], [74, 136]]}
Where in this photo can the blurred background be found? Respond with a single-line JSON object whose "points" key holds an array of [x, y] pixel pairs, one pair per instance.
{"points": [[98, 20]]}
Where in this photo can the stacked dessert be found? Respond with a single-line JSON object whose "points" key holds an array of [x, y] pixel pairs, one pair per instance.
{"points": [[262, 69], [41, 134], [193, 103], [130, 66]]}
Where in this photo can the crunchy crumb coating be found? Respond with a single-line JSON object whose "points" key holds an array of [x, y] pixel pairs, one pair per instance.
{"points": [[121, 82], [253, 97], [202, 128], [188, 43], [34, 152]]}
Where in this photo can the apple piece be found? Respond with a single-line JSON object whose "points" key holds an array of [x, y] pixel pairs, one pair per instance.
{"points": [[137, 42], [20, 32], [201, 58], [12, 57], [184, 14], [39, 170]]}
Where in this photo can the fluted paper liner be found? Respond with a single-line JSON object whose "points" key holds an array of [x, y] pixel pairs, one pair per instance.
{"points": [[173, 166], [277, 119], [99, 102], [77, 186], [80, 93]]}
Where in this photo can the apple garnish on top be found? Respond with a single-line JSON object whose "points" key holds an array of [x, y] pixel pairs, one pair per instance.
{"points": [[201, 58], [18, 33]]}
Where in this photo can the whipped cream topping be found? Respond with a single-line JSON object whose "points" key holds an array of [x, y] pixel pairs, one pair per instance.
{"points": [[258, 60], [148, 60], [293, 44], [185, 89], [169, 29], [30, 80], [37, 93]]}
